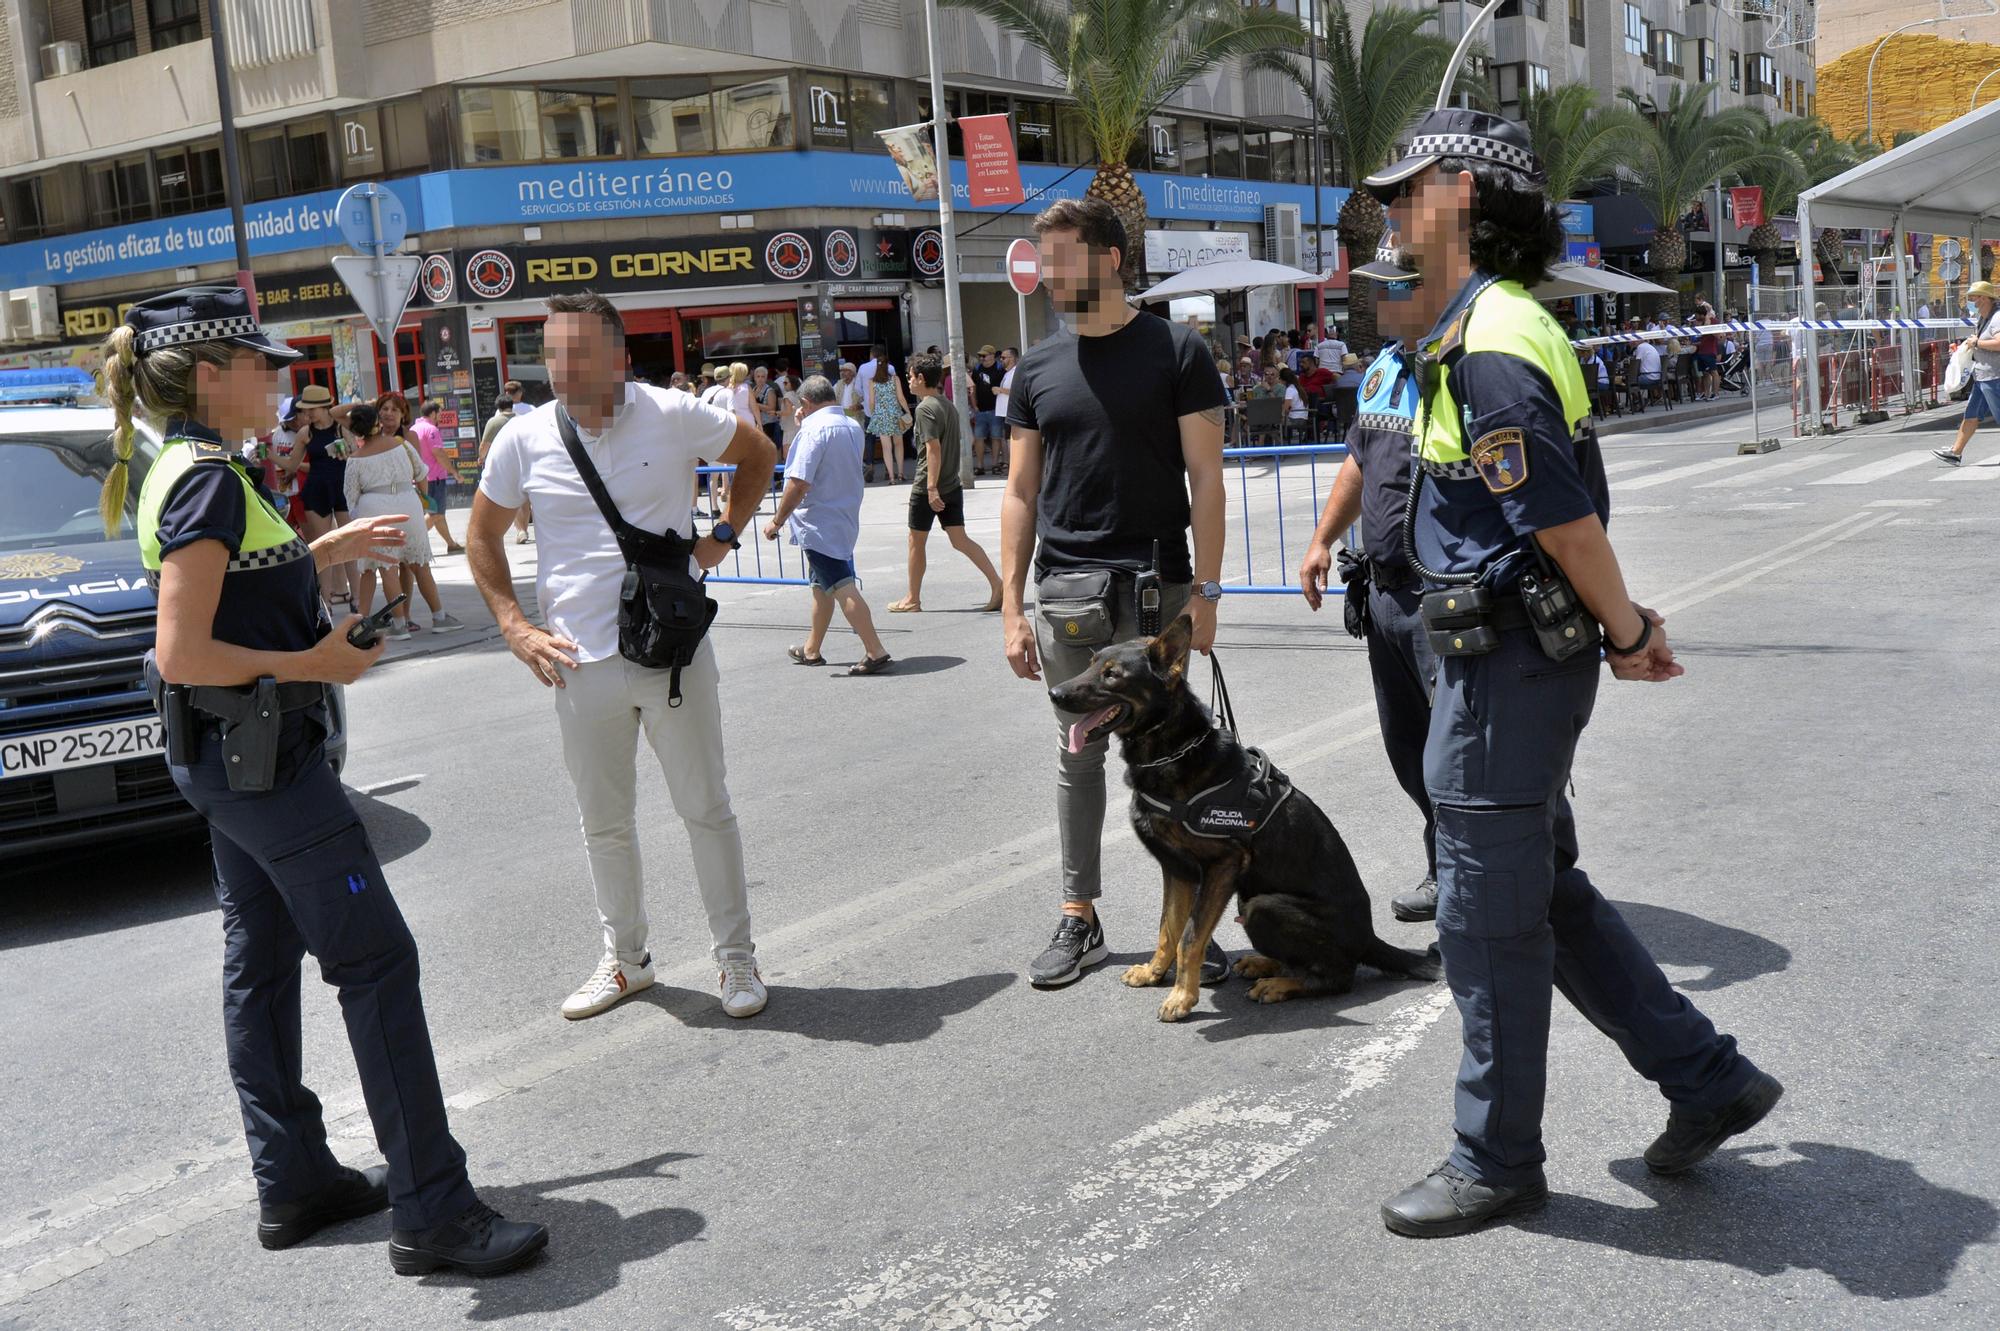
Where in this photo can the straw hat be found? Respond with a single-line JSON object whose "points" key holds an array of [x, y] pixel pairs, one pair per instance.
{"points": [[1986, 289]]}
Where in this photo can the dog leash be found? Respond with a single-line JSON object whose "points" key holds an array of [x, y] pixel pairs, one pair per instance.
{"points": [[1218, 695]]}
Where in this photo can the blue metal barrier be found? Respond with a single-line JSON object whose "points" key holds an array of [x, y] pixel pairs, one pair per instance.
{"points": [[753, 538], [1277, 454]]}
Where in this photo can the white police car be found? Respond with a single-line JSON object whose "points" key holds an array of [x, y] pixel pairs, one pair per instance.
{"points": [[82, 757]]}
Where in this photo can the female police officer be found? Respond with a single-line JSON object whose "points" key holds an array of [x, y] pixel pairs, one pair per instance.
{"points": [[244, 655], [1508, 479]]}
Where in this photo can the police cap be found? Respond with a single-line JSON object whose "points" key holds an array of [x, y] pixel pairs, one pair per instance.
{"points": [[1452, 132], [203, 314]]}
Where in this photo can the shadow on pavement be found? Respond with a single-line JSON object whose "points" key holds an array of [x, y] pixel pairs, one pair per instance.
{"points": [[1676, 938], [79, 893], [905, 666], [392, 831], [1227, 1012], [590, 1243], [1872, 1222], [892, 1015]]}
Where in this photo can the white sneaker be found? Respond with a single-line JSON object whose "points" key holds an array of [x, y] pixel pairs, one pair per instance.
{"points": [[743, 992], [610, 984]]}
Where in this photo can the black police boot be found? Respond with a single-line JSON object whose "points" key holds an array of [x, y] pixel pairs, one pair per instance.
{"points": [[477, 1241], [1451, 1201], [1418, 904], [352, 1194], [1692, 1138]]}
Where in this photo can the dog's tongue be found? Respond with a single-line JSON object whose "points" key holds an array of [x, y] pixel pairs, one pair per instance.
{"points": [[1079, 733]]}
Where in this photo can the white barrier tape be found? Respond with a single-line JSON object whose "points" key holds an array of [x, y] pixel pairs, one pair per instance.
{"points": [[1772, 326]]}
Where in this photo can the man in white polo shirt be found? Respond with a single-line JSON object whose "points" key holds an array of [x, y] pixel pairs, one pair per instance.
{"points": [[644, 442]]}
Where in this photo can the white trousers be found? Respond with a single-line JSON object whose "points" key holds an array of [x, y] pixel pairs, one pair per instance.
{"points": [[603, 708]]}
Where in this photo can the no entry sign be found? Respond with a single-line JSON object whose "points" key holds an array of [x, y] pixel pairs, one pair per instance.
{"points": [[1024, 266]]}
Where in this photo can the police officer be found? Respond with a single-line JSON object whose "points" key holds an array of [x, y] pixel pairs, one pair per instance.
{"points": [[1507, 529], [1382, 592], [240, 670]]}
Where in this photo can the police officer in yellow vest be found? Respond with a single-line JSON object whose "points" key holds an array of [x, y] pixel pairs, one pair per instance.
{"points": [[1524, 604], [243, 657]]}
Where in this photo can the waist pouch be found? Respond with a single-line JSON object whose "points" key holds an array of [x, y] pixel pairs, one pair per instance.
{"points": [[1468, 621], [663, 610], [1079, 607]]}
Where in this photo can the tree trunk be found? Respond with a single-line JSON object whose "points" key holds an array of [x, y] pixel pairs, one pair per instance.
{"points": [[1668, 257], [1115, 185], [1830, 250], [1763, 243], [1361, 225]]}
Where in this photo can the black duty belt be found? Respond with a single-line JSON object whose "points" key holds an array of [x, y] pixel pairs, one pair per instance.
{"points": [[1391, 577], [236, 704]]}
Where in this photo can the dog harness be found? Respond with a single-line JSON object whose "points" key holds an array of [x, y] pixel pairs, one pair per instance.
{"points": [[1233, 810]]}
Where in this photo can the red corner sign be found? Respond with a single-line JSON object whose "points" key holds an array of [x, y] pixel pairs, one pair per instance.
{"points": [[992, 172]]}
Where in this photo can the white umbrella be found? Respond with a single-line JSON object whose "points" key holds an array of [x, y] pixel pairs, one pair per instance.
{"points": [[1230, 275], [1575, 279]]}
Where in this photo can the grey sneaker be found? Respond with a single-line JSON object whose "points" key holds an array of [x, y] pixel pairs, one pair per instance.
{"points": [[443, 623], [1418, 904], [1946, 456], [1077, 943], [399, 630]]}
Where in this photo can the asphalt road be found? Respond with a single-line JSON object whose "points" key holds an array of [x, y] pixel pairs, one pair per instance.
{"points": [[1802, 829]]}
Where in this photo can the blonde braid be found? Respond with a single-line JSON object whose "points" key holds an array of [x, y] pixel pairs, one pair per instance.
{"points": [[120, 386]]}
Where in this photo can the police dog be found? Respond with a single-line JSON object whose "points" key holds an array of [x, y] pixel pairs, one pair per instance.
{"points": [[1303, 904]]}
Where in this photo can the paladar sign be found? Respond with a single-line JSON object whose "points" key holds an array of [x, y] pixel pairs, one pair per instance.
{"points": [[1169, 252]]}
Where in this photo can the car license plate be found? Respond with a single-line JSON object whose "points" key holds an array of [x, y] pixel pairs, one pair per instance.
{"points": [[82, 746]]}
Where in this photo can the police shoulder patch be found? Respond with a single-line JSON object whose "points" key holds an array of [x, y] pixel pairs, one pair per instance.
{"points": [[1374, 384], [1502, 459]]}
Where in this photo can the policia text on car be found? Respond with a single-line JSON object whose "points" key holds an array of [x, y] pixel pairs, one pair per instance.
{"points": [[244, 659], [1505, 526]]}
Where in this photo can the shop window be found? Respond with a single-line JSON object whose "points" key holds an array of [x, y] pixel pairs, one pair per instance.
{"points": [[1288, 158], [406, 138], [107, 26], [120, 190], [1035, 130], [753, 113], [309, 149], [409, 366], [870, 107], [287, 159], [672, 116], [1193, 136], [498, 125], [521, 357], [954, 140], [578, 122], [1257, 154], [730, 337], [189, 178], [1073, 143], [174, 22], [1225, 149]]}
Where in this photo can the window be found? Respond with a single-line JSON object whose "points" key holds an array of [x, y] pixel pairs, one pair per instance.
{"points": [[406, 137], [1290, 160], [1576, 28], [1666, 52], [1735, 72], [1705, 60], [309, 149], [1163, 148], [826, 110], [189, 178], [107, 24], [581, 121], [1257, 154], [409, 366], [521, 357], [1035, 130], [752, 113], [287, 159], [502, 124], [120, 190], [870, 107], [1226, 148], [1530, 8], [1635, 31], [44, 205], [1193, 136], [1538, 78], [1760, 76], [174, 22], [672, 116]]}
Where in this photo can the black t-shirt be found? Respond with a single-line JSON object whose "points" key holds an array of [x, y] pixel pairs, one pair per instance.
{"points": [[985, 385], [1108, 410], [327, 471], [270, 599]]}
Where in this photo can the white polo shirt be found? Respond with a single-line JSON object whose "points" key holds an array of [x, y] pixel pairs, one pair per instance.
{"points": [[647, 459]]}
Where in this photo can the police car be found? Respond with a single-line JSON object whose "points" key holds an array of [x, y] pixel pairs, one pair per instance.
{"points": [[82, 756]]}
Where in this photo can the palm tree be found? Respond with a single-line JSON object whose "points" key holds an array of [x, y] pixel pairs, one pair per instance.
{"points": [[1374, 83], [1685, 148], [1122, 60], [1579, 142], [1799, 154]]}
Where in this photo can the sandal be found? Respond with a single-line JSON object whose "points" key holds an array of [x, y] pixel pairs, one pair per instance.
{"points": [[871, 665], [799, 657], [991, 605], [905, 607]]}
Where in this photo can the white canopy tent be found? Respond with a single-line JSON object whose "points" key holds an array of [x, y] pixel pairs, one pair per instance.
{"points": [[1947, 183], [1575, 279], [1230, 275]]}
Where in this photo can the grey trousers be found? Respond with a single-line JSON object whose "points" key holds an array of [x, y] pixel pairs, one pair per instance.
{"points": [[1080, 776]]}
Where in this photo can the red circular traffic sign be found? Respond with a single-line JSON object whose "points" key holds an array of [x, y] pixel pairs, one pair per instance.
{"points": [[1024, 266]]}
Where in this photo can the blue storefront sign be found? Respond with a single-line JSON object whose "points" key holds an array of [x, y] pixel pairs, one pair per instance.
{"points": [[1584, 252], [598, 191], [1579, 219]]}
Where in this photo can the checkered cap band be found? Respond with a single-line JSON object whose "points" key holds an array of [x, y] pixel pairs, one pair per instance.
{"points": [[1462, 470], [1475, 145], [272, 557], [1386, 421], [197, 330]]}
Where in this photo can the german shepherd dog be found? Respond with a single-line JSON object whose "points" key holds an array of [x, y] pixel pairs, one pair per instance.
{"points": [[1303, 904]]}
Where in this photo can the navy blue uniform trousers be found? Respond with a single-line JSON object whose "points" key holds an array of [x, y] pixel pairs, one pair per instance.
{"points": [[295, 874], [1517, 917], [1399, 658]]}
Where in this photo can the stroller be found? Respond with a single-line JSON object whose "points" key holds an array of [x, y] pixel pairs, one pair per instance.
{"points": [[1735, 371]]}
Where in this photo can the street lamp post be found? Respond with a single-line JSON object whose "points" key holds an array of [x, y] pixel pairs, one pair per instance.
{"points": [[1877, 56], [1978, 87], [954, 332], [232, 162]]}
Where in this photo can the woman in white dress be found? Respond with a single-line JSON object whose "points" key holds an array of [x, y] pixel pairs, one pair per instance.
{"points": [[381, 481]]}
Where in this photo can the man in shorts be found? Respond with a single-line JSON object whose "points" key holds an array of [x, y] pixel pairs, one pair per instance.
{"points": [[824, 482], [986, 436], [936, 495]]}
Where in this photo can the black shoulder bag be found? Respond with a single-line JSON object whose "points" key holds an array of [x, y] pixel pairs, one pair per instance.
{"points": [[663, 610]]}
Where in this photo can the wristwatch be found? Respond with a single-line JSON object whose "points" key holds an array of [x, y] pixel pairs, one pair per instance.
{"points": [[726, 534], [1209, 591]]}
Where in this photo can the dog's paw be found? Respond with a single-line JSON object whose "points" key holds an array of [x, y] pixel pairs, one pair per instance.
{"points": [[1276, 989], [1254, 967], [1143, 976], [1178, 1005]]}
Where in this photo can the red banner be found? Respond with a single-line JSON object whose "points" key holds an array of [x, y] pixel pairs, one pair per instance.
{"points": [[1748, 201], [992, 171]]}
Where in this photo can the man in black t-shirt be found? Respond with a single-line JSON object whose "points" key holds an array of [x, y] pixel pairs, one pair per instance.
{"points": [[1117, 449], [988, 430]]}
